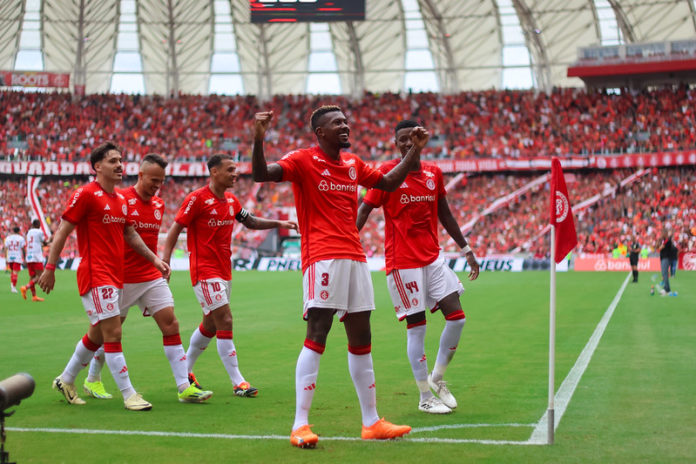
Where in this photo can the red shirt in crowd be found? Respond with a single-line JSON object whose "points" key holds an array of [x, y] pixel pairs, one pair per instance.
{"points": [[326, 200], [210, 221], [100, 218], [410, 213], [146, 219]]}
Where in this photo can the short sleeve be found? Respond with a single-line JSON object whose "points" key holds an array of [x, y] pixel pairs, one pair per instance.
{"points": [[291, 164], [375, 198], [189, 210], [236, 204], [77, 206], [367, 176]]}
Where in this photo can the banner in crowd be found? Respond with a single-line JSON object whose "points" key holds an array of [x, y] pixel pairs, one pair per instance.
{"points": [[501, 263], [604, 263], [34, 79], [199, 169]]}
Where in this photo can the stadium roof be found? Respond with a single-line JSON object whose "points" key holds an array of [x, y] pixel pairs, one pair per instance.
{"points": [[202, 46]]}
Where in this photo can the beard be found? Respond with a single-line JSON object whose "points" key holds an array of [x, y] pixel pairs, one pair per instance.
{"points": [[343, 144]]}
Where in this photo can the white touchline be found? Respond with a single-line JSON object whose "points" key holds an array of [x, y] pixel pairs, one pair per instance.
{"points": [[250, 437], [570, 383]]}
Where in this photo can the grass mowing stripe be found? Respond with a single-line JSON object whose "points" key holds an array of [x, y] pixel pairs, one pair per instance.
{"points": [[570, 383]]}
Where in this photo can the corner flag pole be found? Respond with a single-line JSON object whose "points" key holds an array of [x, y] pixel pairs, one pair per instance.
{"points": [[552, 339]]}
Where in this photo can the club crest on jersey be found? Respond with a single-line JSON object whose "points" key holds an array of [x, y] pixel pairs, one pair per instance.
{"points": [[158, 215], [430, 184], [124, 208], [352, 173], [231, 210]]}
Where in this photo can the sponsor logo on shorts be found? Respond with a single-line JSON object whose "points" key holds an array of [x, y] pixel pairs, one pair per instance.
{"points": [[324, 295], [218, 297], [110, 307], [415, 301]]}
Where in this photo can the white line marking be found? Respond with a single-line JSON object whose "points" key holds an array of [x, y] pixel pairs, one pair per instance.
{"points": [[251, 437], [570, 383], [465, 426]]}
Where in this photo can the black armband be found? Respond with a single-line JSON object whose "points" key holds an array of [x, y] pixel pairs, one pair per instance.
{"points": [[242, 215]]}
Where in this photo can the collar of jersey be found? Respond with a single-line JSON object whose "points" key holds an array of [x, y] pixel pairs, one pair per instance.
{"points": [[327, 158], [215, 196]]}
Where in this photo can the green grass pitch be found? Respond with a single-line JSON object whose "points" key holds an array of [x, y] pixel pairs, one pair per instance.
{"points": [[635, 403]]}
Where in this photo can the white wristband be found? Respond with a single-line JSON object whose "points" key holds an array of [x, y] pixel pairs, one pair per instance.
{"points": [[467, 249]]}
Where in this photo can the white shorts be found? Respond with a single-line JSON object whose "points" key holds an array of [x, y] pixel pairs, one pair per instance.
{"points": [[150, 297], [212, 294], [340, 284], [414, 290], [101, 303]]}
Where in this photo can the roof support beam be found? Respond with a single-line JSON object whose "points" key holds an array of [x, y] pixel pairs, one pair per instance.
{"points": [[172, 65], [264, 67], [623, 22], [537, 49], [358, 84], [80, 78], [448, 76]]}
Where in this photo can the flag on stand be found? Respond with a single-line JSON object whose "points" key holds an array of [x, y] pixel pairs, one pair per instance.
{"points": [[561, 213]]}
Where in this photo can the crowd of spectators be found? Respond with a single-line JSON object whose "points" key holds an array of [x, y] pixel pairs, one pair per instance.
{"points": [[662, 198], [493, 123]]}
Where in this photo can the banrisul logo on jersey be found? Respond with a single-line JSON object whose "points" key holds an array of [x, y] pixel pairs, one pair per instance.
{"points": [[220, 223], [406, 199], [325, 186]]}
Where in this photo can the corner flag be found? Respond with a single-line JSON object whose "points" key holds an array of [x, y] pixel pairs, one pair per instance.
{"points": [[561, 213], [563, 239]]}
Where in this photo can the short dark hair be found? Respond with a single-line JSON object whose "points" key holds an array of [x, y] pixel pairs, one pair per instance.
{"points": [[321, 111], [100, 152], [403, 124], [154, 158], [216, 160], [15, 229], [36, 223]]}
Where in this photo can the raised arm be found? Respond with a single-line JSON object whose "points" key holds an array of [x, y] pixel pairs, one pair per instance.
{"points": [[450, 224], [48, 277], [363, 212], [394, 178], [136, 242], [261, 171]]}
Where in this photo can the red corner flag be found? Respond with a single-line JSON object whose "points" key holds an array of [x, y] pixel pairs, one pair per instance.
{"points": [[561, 214]]}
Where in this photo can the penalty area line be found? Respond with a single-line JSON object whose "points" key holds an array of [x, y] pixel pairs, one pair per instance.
{"points": [[570, 383]]}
